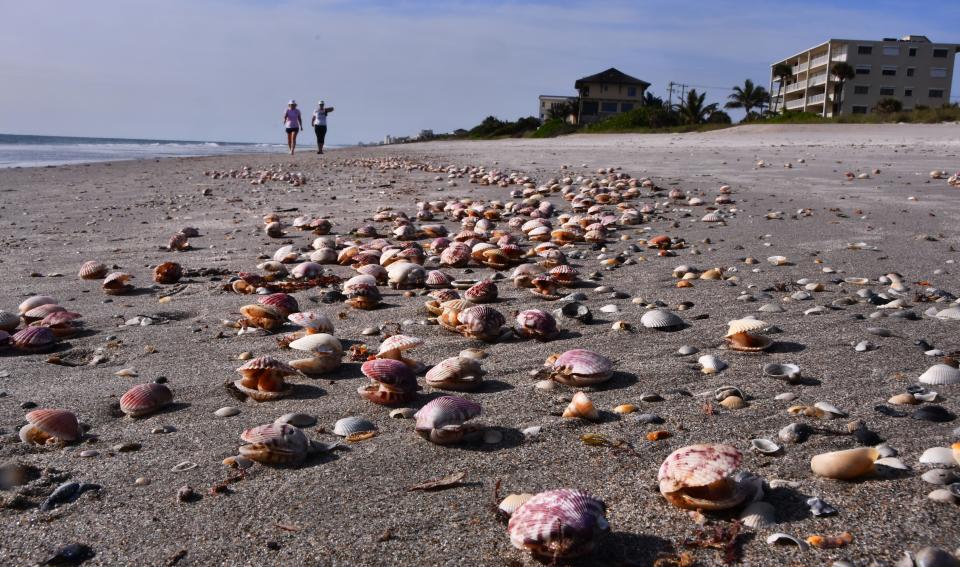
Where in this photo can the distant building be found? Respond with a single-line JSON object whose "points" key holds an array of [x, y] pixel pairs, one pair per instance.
{"points": [[600, 96], [911, 69], [549, 102], [425, 134]]}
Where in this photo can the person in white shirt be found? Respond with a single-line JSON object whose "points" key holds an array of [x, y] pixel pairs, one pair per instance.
{"points": [[320, 124], [292, 123]]}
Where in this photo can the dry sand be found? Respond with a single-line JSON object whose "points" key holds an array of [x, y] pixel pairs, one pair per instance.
{"points": [[351, 508]]}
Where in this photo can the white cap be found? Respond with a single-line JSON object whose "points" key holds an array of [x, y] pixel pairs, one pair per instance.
{"points": [[292, 101], [320, 103]]}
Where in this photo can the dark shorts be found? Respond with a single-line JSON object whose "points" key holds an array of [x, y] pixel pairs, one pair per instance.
{"points": [[321, 133], [289, 130]]}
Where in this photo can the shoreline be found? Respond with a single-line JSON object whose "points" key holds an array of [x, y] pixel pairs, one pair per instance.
{"points": [[351, 506]]}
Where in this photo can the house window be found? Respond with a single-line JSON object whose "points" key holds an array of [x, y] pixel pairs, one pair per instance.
{"points": [[940, 53], [605, 88], [935, 93], [888, 71], [861, 89], [891, 50], [586, 91], [589, 108], [864, 50], [912, 52], [863, 69], [631, 91], [911, 71], [608, 107], [938, 72], [908, 91], [887, 91], [626, 106], [859, 109]]}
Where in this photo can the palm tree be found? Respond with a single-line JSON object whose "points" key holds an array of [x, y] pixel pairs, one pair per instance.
{"points": [[692, 110], [650, 100], [843, 72], [747, 97], [781, 71]]}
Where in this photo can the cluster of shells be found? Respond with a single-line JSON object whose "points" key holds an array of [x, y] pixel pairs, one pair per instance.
{"points": [[527, 242], [274, 173]]}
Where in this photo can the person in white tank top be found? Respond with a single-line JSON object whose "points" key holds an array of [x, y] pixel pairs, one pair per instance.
{"points": [[293, 124], [319, 122]]}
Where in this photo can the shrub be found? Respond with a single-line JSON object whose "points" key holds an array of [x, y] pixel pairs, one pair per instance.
{"points": [[554, 128], [888, 106]]}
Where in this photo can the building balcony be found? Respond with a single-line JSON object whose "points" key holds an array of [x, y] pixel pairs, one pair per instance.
{"points": [[817, 99], [817, 79], [818, 61], [838, 57], [795, 104], [799, 86], [799, 68]]}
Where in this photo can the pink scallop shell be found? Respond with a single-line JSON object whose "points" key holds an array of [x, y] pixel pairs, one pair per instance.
{"points": [[394, 374], [535, 323], [282, 302], [697, 465], [268, 363], [92, 270], [481, 292], [33, 338], [144, 399], [58, 423], [561, 523], [446, 411]]}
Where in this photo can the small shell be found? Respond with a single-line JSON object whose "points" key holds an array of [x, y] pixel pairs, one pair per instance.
{"points": [[940, 374], [733, 402], [581, 407], [352, 425], [8, 321], [167, 273], [319, 344], [481, 292], [438, 280], [787, 539], [512, 503], [778, 260], [660, 319], [938, 456], [312, 321], [536, 324], [262, 316], [392, 346], [759, 516], [92, 270], [558, 523], [745, 326], [765, 446], [144, 399], [52, 426], [711, 364], [782, 371], [116, 283], [456, 373], [306, 271], [275, 444], [845, 465]]}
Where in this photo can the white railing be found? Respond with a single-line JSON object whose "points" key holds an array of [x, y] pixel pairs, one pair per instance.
{"points": [[816, 99], [798, 103], [822, 60], [795, 87], [839, 57], [799, 68], [817, 80]]}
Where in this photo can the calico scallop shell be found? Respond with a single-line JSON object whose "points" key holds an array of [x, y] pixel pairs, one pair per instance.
{"points": [[50, 426], [167, 273], [698, 476], [377, 271], [62, 323], [536, 324], [33, 339], [38, 313], [940, 374], [845, 465], [312, 321], [457, 374], [437, 280], [481, 292], [356, 282], [581, 407], [564, 274], [558, 523], [394, 346], [581, 367], [92, 270], [456, 255], [324, 256], [35, 301], [441, 420], [306, 271], [144, 399], [116, 283], [326, 352], [480, 322], [348, 426], [262, 316], [275, 444], [660, 319], [363, 296], [8, 321], [745, 326], [390, 373]]}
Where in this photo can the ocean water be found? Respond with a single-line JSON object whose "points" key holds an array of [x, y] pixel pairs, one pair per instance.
{"points": [[34, 151]]}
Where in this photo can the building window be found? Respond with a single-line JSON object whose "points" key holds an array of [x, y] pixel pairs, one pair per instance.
{"points": [[891, 50], [912, 52], [861, 89], [586, 91], [863, 69], [626, 106], [859, 109], [938, 72], [589, 108], [935, 93], [889, 71], [911, 71], [864, 50], [887, 91], [605, 88], [608, 107], [631, 91], [940, 53], [908, 91]]}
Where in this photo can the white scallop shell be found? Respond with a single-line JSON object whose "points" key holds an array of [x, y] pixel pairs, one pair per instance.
{"points": [[352, 425], [940, 374], [660, 319], [711, 364], [938, 456], [759, 515], [745, 326], [951, 313], [320, 343]]}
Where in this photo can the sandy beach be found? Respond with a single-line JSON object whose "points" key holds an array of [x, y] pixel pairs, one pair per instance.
{"points": [[351, 506]]}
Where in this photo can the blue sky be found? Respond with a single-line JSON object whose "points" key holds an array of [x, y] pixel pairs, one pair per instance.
{"points": [[223, 70]]}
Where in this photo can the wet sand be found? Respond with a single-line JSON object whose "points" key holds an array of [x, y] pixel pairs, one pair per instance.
{"points": [[351, 507]]}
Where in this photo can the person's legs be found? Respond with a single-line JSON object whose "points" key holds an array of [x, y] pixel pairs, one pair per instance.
{"points": [[290, 140], [321, 137], [293, 142]]}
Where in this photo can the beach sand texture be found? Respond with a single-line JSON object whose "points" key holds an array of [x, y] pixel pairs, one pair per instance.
{"points": [[351, 507]]}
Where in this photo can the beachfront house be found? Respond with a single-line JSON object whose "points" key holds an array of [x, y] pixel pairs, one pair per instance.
{"points": [[602, 95], [912, 69]]}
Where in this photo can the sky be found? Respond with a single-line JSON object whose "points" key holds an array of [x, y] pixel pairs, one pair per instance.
{"points": [[224, 69]]}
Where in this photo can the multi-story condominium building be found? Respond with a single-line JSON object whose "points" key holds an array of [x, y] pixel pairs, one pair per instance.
{"points": [[550, 102], [912, 69], [602, 95]]}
